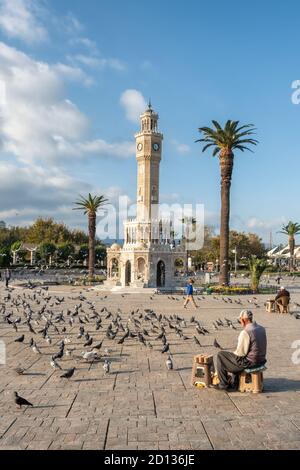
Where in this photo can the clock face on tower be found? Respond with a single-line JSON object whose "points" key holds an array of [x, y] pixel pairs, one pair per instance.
{"points": [[140, 147], [156, 147]]}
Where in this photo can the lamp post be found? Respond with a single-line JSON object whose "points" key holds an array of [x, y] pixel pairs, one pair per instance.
{"points": [[235, 260]]}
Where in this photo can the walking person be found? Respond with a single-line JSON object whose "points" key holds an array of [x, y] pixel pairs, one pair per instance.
{"points": [[190, 294], [7, 277]]}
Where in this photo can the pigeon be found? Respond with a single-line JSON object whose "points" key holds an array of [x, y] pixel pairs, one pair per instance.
{"points": [[20, 339], [89, 356], [35, 349], [20, 401], [98, 346], [19, 370], [197, 341], [88, 342], [165, 348], [68, 374], [106, 366], [55, 364], [169, 363], [216, 344]]}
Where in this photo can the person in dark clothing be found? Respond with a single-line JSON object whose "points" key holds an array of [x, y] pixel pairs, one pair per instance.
{"points": [[251, 352], [7, 276]]}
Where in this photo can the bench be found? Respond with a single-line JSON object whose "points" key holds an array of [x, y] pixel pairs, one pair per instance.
{"points": [[251, 380]]}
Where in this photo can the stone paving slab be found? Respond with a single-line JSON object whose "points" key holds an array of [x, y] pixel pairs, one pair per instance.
{"points": [[140, 404]]}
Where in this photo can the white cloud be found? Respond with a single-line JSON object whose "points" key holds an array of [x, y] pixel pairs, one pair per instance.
{"points": [[133, 103], [72, 24], [30, 192], [181, 148], [94, 147], [38, 122], [73, 73], [255, 223], [95, 61], [20, 19], [86, 42]]}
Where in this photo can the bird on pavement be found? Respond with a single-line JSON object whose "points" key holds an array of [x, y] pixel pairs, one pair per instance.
{"points": [[169, 363], [216, 344], [98, 346], [55, 364], [165, 348], [20, 339], [20, 401], [106, 366], [68, 374], [88, 342]]}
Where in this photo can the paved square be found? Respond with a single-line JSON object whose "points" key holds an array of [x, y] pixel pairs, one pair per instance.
{"points": [[140, 404]]}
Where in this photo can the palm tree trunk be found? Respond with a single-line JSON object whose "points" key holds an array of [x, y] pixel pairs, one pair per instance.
{"points": [[226, 165], [292, 250], [92, 235]]}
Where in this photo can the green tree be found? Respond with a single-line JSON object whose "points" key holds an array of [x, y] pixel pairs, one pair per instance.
{"points": [[65, 250], [78, 237], [5, 257], [16, 245], [246, 244], [225, 141], [100, 253], [291, 229], [83, 252], [47, 230], [257, 267], [46, 250], [90, 207]]}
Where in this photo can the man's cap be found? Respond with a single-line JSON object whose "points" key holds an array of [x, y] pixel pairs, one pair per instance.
{"points": [[282, 288], [246, 314]]}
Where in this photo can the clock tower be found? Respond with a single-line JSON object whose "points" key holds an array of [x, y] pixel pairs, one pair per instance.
{"points": [[148, 154], [149, 256]]}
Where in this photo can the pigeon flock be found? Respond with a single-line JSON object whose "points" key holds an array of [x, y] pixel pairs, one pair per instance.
{"points": [[69, 330]]}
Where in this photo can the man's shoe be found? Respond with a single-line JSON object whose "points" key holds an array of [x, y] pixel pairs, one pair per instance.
{"points": [[220, 388], [232, 388]]}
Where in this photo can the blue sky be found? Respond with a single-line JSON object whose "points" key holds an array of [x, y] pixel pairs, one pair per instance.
{"points": [[197, 61]]}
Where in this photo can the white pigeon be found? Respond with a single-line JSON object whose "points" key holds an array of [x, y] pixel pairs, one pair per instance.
{"points": [[106, 366], [89, 355], [169, 363]]}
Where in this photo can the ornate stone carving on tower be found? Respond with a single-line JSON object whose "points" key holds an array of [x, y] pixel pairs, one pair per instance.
{"points": [[149, 258]]}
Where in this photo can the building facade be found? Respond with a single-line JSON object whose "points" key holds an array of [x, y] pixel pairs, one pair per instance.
{"points": [[149, 256]]}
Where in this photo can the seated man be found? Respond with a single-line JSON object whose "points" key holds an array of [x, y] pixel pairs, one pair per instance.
{"points": [[251, 352], [282, 298]]}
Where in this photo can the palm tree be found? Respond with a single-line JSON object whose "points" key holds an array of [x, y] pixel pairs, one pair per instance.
{"points": [[90, 206], [225, 142], [257, 267], [291, 229]]}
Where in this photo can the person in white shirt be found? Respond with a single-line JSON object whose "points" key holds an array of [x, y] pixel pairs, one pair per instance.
{"points": [[250, 352]]}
